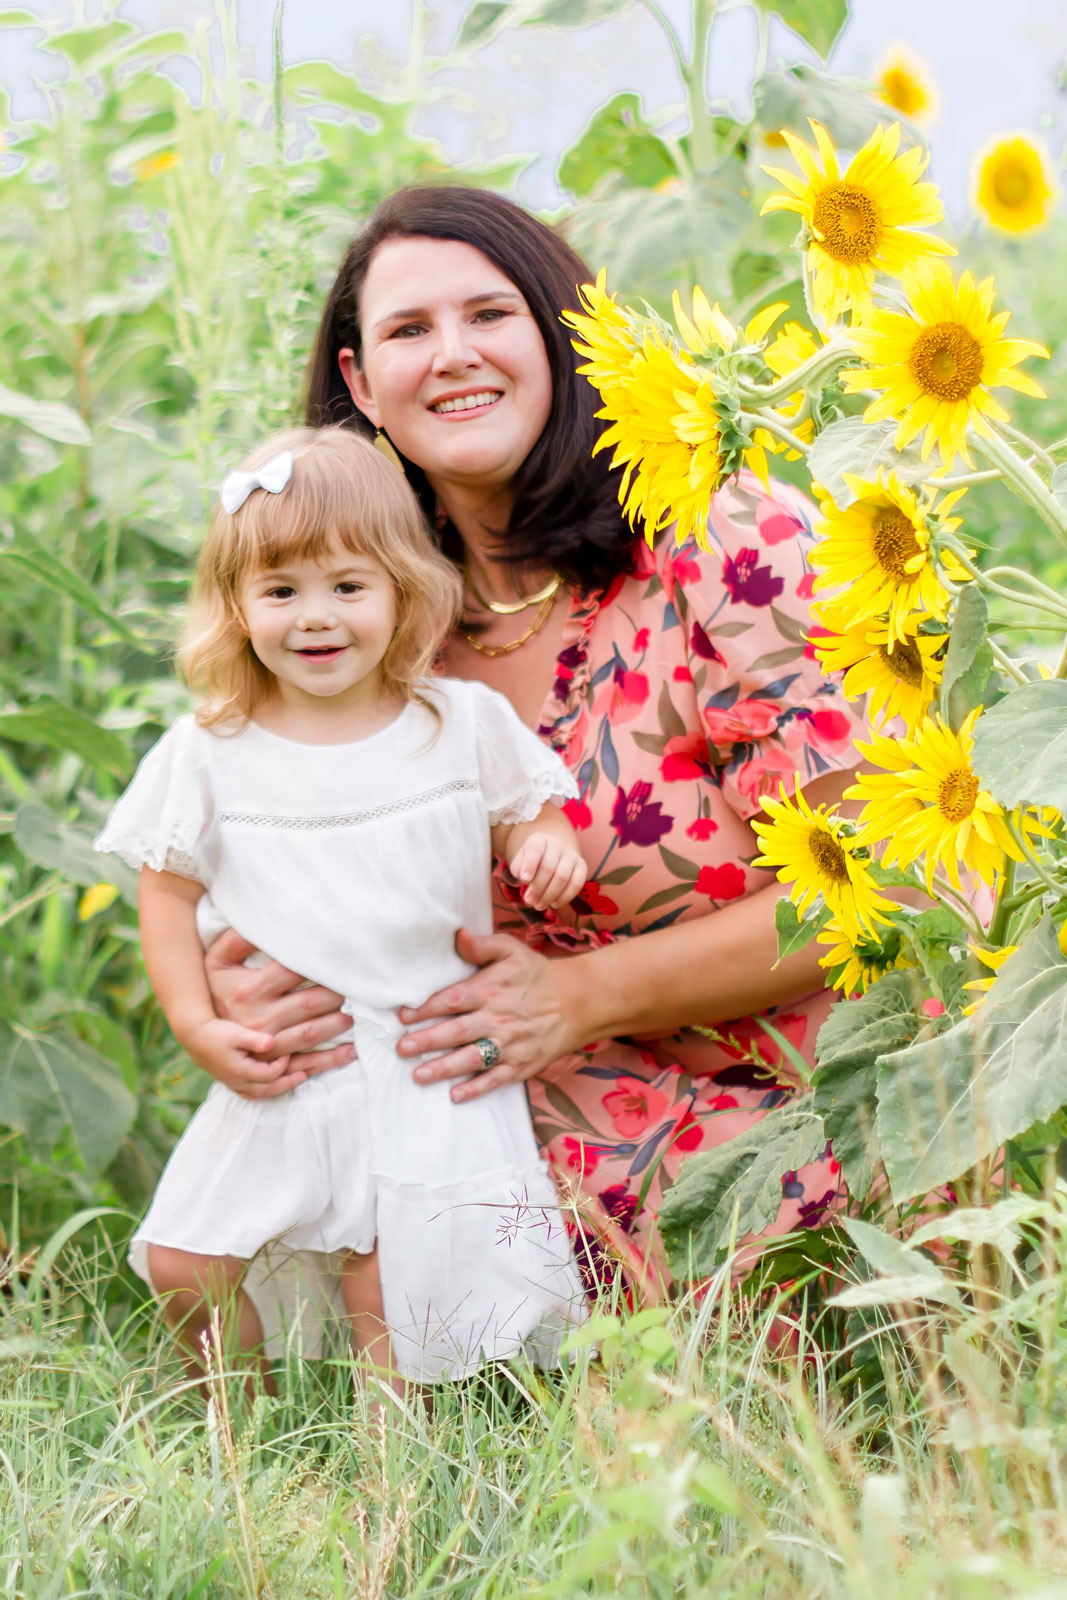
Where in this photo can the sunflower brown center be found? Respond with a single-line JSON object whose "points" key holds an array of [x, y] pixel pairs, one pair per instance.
{"points": [[946, 361], [894, 541], [906, 661], [956, 794], [1012, 185], [847, 222], [828, 855]]}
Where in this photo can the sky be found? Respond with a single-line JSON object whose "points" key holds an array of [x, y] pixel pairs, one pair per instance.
{"points": [[532, 91]]}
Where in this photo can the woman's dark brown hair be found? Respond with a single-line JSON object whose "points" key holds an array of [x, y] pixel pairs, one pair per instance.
{"points": [[566, 511]]}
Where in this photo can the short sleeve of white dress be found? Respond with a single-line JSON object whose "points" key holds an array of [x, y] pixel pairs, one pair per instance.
{"points": [[518, 773], [164, 819]]}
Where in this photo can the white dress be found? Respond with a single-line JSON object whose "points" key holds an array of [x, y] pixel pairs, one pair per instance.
{"points": [[354, 865]]}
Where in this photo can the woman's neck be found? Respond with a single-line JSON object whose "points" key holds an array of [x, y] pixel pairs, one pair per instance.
{"points": [[480, 517]]}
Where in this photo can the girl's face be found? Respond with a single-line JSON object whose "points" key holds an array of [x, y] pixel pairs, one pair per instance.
{"points": [[322, 628], [454, 366]]}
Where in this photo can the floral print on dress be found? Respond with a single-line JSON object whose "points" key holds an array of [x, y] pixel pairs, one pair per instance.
{"points": [[682, 694]]}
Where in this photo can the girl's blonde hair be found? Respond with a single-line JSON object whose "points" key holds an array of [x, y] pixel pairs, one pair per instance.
{"points": [[342, 491]]}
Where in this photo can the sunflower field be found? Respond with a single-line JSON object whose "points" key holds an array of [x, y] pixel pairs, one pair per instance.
{"points": [[877, 1403]]}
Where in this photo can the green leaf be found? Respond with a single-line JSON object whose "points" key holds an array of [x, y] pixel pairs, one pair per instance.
{"points": [[48, 722], [51, 1082], [617, 139], [696, 1215], [1020, 746], [19, 19], [670, 720], [68, 849], [787, 99], [664, 897], [948, 1101], [818, 22], [81, 45], [46, 569], [904, 1273], [969, 660], [858, 447], [847, 1049], [794, 931], [50, 418]]}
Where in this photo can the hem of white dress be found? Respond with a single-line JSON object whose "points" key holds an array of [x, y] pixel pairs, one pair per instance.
{"points": [[140, 1243]]}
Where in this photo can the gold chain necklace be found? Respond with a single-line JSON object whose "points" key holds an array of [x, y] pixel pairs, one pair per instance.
{"points": [[506, 649], [504, 608]]}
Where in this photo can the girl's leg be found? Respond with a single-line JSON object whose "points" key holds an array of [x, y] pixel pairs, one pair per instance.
{"points": [[361, 1290], [193, 1287]]}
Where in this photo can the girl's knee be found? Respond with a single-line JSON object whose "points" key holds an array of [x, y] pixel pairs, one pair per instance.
{"points": [[184, 1272]]}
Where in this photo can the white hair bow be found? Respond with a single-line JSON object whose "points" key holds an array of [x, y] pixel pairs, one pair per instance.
{"points": [[273, 476]]}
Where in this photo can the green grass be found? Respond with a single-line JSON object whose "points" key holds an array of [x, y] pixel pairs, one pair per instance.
{"points": [[708, 1450]]}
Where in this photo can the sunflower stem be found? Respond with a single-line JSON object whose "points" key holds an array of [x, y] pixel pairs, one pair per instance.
{"points": [[1026, 443], [1006, 664], [1061, 665], [774, 424], [998, 922], [673, 40], [984, 581], [1033, 861], [940, 889], [1025, 481], [809, 375], [702, 135], [965, 480]]}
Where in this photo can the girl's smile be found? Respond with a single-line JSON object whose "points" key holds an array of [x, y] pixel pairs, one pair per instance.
{"points": [[321, 628]]}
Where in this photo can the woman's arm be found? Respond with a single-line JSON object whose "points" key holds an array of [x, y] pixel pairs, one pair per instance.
{"points": [[703, 971], [174, 960]]}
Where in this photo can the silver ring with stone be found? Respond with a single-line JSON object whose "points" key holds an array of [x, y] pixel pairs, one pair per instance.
{"points": [[489, 1051]]}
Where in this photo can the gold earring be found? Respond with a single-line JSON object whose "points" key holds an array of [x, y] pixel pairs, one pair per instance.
{"points": [[383, 443]]}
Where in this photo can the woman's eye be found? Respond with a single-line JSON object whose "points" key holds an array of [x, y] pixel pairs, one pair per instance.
{"points": [[408, 330], [491, 314]]}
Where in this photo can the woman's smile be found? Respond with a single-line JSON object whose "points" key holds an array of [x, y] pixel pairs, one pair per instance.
{"points": [[462, 406]]}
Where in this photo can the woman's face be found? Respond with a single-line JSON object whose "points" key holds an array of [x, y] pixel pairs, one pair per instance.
{"points": [[454, 367]]}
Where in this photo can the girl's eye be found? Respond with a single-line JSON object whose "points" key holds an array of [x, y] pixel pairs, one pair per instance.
{"points": [[349, 587], [282, 592]]}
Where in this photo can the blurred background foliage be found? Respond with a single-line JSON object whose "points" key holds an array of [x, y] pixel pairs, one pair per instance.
{"points": [[165, 251]]}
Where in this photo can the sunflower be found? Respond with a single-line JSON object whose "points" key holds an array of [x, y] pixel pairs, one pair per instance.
{"points": [[903, 85], [860, 223], [938, 362], [876, 554], [1014, 183], [900, 675], [854, 964], [666, 478], [817, 853], [606, 336], [928, 802], [994, 960]]}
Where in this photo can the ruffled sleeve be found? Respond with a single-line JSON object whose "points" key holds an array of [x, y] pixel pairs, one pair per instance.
{"points": [[769, 712], [164, 819], [518, 773]]}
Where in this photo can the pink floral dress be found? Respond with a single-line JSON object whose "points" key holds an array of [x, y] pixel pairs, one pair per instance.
{"points": [[682, 694]]}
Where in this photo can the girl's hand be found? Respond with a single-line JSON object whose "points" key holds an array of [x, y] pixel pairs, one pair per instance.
{"points": [[270, 1000], [525, 1003], [229, 1052], [553, 870]]}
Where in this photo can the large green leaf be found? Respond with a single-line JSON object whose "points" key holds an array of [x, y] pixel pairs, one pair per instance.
{"points": [[67, 848], [850, 1041], [61, 728], [1020, 746], [696, 1215], [818, 22], [948, 1101], [787, 99], [51, 418], [51, 1082], [487, 18], [617, 139], [970, 657], [47, 570], [862, 448]]}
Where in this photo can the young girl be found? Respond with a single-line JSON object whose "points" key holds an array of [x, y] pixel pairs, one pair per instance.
{"points": [[335, 805]]}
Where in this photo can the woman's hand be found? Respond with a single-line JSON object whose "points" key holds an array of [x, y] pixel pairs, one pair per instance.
{"points": [[269, 1000], [520, 1000]]}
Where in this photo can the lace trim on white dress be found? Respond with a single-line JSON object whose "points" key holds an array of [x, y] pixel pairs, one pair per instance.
{"points": [[352, 819], [170, 855], [540, 787]]}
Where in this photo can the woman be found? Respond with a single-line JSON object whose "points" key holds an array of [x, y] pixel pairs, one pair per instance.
{"points": [[675, 682]]}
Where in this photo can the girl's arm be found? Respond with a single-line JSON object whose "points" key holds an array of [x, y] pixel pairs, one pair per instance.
{"points": [[544, 855], [174, 960]]}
